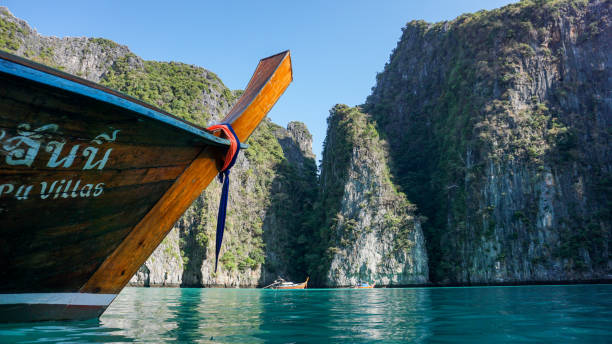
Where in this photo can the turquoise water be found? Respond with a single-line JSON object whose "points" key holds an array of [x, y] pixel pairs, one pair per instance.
{"points": [[534, 314]]}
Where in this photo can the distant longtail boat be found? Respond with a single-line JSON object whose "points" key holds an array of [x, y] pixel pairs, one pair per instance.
{"points": [[364, 285], [92, 180], [282, 284]]}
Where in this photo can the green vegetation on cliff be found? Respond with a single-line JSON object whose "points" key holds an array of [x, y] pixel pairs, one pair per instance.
{"points": [[8, 34], [175, 87]]}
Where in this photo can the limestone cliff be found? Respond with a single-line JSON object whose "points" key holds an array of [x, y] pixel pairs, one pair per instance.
{"points": [[369, 230], [89, 58], [499, 127]]}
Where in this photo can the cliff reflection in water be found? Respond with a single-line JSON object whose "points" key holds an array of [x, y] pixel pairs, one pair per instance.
{"points": [[344, 315], [186, 314], [251, 315]]}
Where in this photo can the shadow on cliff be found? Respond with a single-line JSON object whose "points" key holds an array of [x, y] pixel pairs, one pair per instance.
{"points": [[188, 242], [285, 226]]}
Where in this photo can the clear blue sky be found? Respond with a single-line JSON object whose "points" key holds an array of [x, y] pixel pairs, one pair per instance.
{"points": [[337, 46]]}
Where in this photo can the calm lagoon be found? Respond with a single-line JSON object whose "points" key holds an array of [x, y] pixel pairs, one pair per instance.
{"points": [[534, 314]]}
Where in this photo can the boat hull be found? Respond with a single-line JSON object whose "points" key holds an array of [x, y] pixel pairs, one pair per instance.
{"points": [[299, 286], [53, 306], [91, 181], [296, 286]]}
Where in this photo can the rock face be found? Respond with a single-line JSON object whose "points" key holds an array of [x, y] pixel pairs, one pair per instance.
{"points": [[369, 228], [499, 126], [164, 268], [88, 58]]}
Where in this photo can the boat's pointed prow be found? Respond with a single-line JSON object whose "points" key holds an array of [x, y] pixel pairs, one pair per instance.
{"points": [[269, 81]]}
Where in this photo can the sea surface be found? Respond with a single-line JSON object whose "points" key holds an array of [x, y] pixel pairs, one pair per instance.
{"points": [[526, 314]]}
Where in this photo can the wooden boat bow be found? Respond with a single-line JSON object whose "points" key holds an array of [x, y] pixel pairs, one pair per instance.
{"points": [[269, 81]]}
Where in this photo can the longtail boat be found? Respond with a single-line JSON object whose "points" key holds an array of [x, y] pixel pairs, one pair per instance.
{"points": [[290, 285], [364, 285], [92, 180]]}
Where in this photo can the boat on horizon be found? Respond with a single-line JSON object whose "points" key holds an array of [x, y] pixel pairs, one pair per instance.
{"points": [[282, 284], [92, 180], [364, 285]]}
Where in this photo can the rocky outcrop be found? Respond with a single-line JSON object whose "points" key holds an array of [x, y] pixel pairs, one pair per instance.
{"points": [[499, 126], [164, 268], [286, 227], [89, 58], [370, 228], [297, 142]]}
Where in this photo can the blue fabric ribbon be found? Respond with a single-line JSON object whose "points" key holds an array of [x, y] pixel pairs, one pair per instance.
{"points": [[224, 178]]}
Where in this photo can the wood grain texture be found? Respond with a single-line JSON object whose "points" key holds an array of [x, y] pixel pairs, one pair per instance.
{"points": [[29, 218], [81, 117], [43, 75], [268, 83], [122, 155], [50, 241], [111, 178]]}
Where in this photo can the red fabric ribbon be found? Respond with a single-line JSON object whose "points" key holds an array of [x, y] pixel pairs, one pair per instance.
{"points": [[233, 143]]}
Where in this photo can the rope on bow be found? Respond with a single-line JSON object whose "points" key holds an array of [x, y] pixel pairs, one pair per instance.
{"points": [[229, 161]]}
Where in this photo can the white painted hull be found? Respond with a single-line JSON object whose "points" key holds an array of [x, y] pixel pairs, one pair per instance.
{"points": [[52, 306]]}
